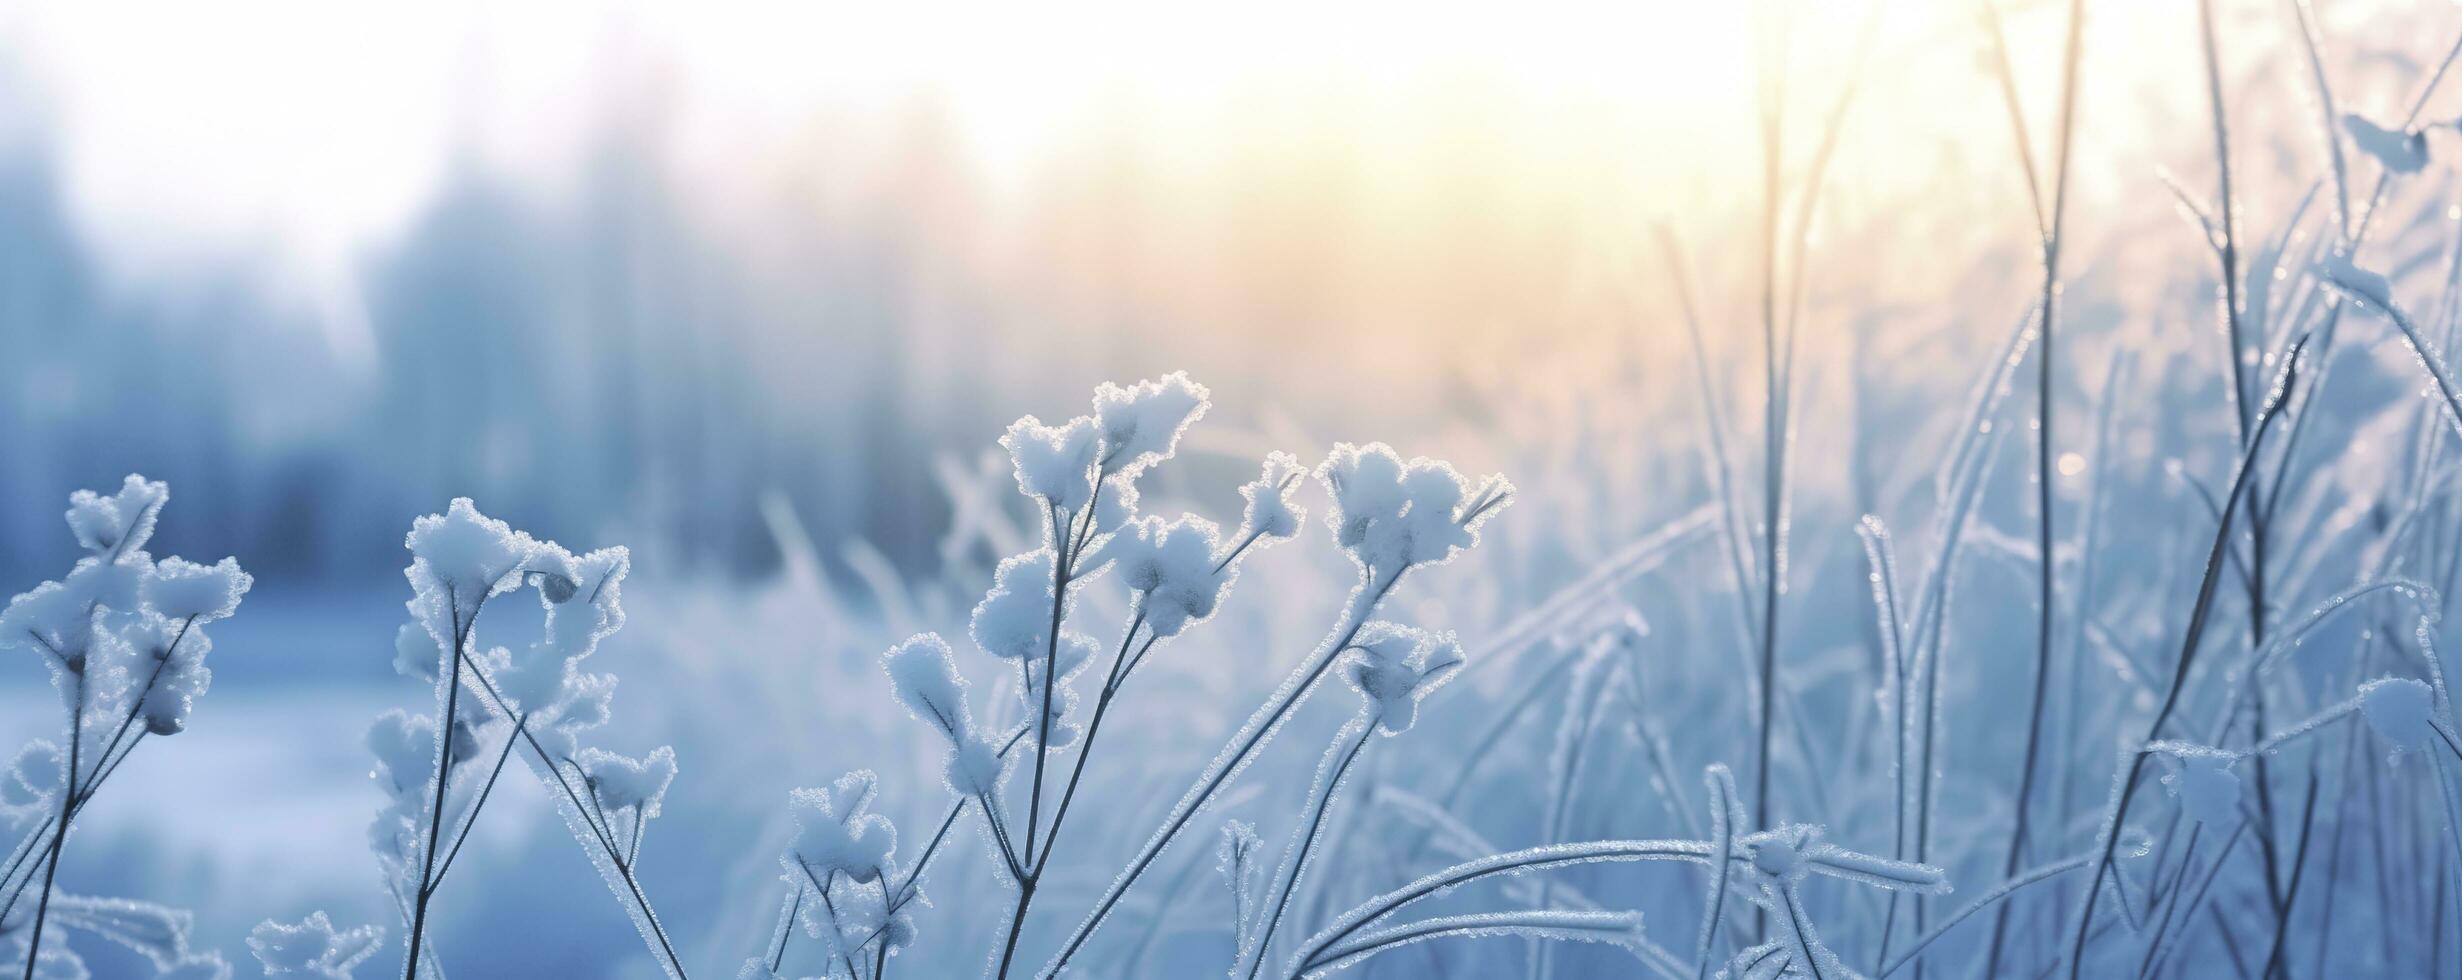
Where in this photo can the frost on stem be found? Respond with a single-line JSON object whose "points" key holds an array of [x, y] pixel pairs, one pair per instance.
{"points": [[1236, 859], [2400, 710], [313, 947]]}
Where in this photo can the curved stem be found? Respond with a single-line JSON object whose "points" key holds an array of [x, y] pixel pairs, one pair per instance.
{"points": [[1339, 758], [1511, 862], [1260, 727], [59, 837]]}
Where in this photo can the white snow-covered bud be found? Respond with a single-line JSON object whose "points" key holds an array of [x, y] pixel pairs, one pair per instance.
{"points": [[975, 768], [2399, 710], [1055, 464], [1391, 515], [179, 589], [1270, 512], [924, 677], [628, 784], [1395, 666], [313, 947], [835, 831], [1173, 566], [592, 609], [1014, 619], [121, 523], [2400, 152], [1141, 424], [466, 552], [2203, 781]]}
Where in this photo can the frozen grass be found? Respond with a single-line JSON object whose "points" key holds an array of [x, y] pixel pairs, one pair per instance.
{"points": [[2180, 711]]}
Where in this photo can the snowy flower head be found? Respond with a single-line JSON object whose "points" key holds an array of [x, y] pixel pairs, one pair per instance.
{"points": [[313, 947], [1394, 666], [836, 833], [1055, 464], [924, 677], [121, 523], [2204, 783], [1270, 512], [2399, 709], [1013, 622], [463, 556], [179, 589], [620, 783], [1391, 515], [1141, 424], [1173, 568]]}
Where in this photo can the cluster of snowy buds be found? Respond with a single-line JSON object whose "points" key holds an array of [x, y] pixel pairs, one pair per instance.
{"points": [[842, 869], [534, 698], [1393, 516], [124, 638]]}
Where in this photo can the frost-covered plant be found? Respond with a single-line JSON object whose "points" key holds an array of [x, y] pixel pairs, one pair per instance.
{"points": [[313, 947], [496, 701], [1390, 517], [123, 637], [843, 881], [1392, 667], [1081, 477]]}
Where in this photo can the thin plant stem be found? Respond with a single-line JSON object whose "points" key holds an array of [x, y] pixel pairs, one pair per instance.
{"points": [[1260, 727], [2125, 790], [2047, 599], [1339, 757]]}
